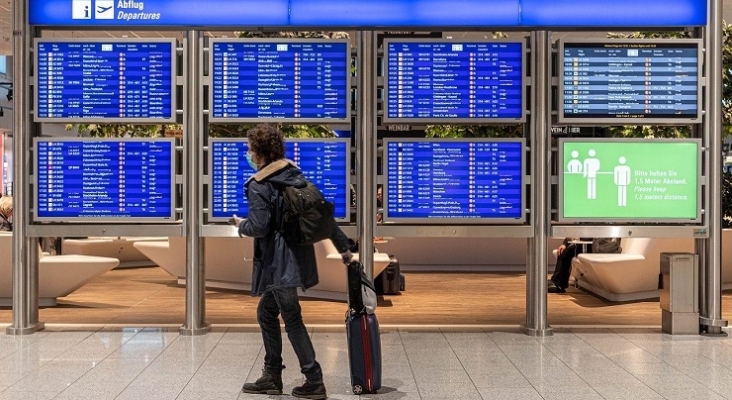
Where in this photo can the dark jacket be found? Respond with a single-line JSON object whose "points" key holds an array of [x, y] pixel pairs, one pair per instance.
{"points": [[599, 245], [277, 264], [567, 242], [5, 225]]}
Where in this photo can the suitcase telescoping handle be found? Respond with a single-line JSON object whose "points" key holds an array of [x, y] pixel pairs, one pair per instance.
{"points": [[361, 291], [355, 299]]}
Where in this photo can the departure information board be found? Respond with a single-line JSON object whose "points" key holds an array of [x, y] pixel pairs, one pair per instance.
{"points": [[324, 162], [449, 82], [94, 180], [618, 81], [283, 81], [439, 181], [105, 81]]}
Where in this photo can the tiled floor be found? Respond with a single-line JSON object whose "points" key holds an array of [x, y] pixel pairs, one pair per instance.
{"points": [[417, 364]]}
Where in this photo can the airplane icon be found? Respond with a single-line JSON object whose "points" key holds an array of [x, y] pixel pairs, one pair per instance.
{"points": [[104, 9]]}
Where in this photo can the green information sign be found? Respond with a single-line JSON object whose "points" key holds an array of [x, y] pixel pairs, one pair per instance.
{"points": [[641, 180]]}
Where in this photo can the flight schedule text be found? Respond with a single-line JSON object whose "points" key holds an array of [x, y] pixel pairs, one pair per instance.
{"points": [[287, 80], [104, 179], [654, 80], [125, 81], [443, 80], [454, 179]]}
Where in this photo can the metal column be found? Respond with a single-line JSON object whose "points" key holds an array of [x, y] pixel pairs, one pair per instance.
{"points": [[25, 250], [193, 110], [711, 310], [366, 148], [536, 286]]}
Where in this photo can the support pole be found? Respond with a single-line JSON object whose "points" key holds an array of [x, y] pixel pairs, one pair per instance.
{"points": [[366, 148], [711, 311], [25, 249], [536, 286], [193, 110]]}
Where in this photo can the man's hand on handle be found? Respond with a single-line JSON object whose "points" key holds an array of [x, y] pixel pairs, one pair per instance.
{"points": [[236, 221], [347, 256]]}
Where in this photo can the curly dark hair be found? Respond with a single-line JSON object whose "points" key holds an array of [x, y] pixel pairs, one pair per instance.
{"points": [[267, 142]]}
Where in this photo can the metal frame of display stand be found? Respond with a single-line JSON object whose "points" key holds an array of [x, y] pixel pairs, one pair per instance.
{"points": [[537, 228]]}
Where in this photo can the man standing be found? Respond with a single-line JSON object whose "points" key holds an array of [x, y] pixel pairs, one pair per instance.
{"points": [[280, 268]]}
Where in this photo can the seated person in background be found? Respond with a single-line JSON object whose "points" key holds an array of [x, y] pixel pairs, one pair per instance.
{"points": [[379, 202], [559, 281], [6, 213]]}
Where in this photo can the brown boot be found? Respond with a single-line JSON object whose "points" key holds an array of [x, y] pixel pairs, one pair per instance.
{"points": [[310, 390], [269, 383]]}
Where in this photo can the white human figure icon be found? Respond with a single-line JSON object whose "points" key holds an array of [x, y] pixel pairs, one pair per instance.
{"points": [[574, 166], [590, 168], [621, 177]]}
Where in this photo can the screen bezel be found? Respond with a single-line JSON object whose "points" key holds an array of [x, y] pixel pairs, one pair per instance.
{"points": [[560, 182], [105, 218], [256, 120], [126, 120], [458, 220], [347, 171], [421, 120], [562, 118]]}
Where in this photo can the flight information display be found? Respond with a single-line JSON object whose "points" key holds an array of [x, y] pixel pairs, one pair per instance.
{"points": [[283, 81], [448, 82], [438, 181], [104, 180], [113, 81], [325, 162], [612, 81]]}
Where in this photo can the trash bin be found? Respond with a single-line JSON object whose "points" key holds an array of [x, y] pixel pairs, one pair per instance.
{"points": [[679, 285]]}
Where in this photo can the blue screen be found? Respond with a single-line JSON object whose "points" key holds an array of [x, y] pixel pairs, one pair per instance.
{"points": [[125, 80], [104, 179], [454, 179], [620, 80], [280, 80], [443, 80], [323, 162]]}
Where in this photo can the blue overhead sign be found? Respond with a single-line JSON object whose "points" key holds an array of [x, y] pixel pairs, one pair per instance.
{"points": [[142, 13], [249, 14], [600, 13], [404, 13]]}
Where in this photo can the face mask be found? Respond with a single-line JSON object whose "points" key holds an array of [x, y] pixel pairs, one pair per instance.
{"points": [[250, 162]]}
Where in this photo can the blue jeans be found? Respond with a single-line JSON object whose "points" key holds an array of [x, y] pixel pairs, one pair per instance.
{"points": [[285, 301]]}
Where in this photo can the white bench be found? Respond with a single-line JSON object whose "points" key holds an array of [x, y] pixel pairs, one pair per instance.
{"points": [[58, 276], [332, 277], [228, 264], [228, 261], [631, 274], [121, 248]]}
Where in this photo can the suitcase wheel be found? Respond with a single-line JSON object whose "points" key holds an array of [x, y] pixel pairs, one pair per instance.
{"points": [[357, 389]]}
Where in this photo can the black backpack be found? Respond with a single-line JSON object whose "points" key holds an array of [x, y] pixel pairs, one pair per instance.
{"points": [[307, 217]]}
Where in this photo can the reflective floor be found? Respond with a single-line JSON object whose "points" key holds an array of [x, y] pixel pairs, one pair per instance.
{"points": [[441, 364]]}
